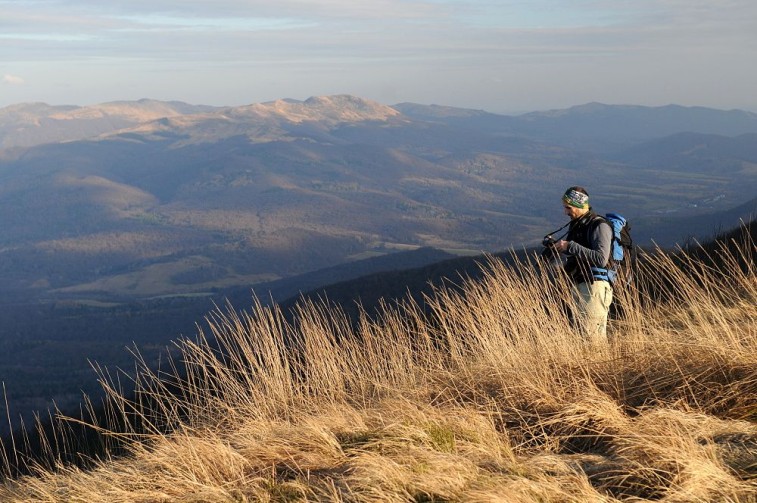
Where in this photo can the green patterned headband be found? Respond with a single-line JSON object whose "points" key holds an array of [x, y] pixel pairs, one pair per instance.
{"points": [[576, 199]]}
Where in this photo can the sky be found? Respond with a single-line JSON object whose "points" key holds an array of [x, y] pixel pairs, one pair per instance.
{"points": [[503, 56]]}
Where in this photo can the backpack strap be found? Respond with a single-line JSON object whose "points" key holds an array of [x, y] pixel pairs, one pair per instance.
{"points": [[603, 274]]}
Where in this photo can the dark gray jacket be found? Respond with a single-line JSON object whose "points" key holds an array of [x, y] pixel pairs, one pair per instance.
{"points": [[589, 245]]}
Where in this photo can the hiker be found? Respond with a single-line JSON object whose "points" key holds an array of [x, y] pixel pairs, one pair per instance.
{"points": [[587, 245]]}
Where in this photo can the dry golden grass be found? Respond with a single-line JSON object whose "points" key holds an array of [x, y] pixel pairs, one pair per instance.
{"points": [[494, 396]]}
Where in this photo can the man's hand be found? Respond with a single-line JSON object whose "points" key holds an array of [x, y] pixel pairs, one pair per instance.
{"points": [[561, 246]]}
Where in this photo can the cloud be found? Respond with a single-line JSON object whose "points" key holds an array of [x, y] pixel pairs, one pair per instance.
{"points": [[265, 8], [12, 80], [173, 48]]}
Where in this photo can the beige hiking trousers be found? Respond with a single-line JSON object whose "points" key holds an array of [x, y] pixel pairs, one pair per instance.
{"points": [[593, 301]]}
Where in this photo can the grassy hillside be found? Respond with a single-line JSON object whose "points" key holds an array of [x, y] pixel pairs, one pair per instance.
{"points": [[493, 397], [46, 350]]}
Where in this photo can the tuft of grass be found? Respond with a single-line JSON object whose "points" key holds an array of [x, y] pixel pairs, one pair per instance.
{"points": [[441, 438]]}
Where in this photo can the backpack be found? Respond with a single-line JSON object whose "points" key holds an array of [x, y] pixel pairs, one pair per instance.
{"points": [[622, 252]]}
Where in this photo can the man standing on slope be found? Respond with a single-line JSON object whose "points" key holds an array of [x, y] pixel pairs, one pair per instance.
{"points": [[587, 245]]}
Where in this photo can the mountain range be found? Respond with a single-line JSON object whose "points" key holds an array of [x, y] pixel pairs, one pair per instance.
{"points": [[129, 200]]}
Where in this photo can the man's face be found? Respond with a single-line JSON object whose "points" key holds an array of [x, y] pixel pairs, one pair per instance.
{"points": [[573, 212]]}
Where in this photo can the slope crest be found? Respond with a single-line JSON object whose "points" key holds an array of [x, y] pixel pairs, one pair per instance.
{"points": [[326, 109]]}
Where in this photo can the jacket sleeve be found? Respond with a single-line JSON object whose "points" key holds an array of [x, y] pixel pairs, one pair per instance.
{"points": [[598, 255]]}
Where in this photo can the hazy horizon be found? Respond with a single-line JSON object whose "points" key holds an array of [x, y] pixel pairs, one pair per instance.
{"points": [[505, 112], [502, 57]]}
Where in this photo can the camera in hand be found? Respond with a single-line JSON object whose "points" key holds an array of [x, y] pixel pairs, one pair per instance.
{"points": [[549, 252]]}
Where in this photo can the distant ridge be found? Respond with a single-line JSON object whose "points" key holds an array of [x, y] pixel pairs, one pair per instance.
{"points": [[29, 124], [418, 111], [593, 125], [329, 110], [638, 123], [26, 125], [693, 152], [263, 122]]}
